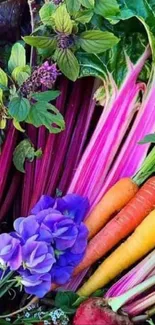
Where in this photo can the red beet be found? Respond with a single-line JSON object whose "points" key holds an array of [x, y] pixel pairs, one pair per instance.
{"points": [[94, 312]]}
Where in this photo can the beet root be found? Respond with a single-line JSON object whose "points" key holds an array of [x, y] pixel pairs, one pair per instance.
{"points": [[95, 312]]}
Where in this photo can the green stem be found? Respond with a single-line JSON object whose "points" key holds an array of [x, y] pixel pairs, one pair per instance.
{"points": [[6, 278], [118, 302], [148, 168]]}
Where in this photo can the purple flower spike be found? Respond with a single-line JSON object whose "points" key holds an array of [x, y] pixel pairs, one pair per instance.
{"points": [[10, 252], [38, 257], [74, 206], [37, 285]]}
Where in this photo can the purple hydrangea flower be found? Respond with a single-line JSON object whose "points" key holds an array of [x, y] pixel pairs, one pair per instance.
{"points": [[10, 252], [36, 284]]}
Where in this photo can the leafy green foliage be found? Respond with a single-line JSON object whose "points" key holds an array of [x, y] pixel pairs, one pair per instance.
{"points": [[65, 300], [46, 96], [46, 13], [63, 22], [21, 74], [19, 108], [43, 113], [68, 63], [150, 321], [83, 16], [17, 58], [106, 8], [88, 3], [3, 78], [96, 41], [73, 5], [40, 41], [149, 138], [91, 65], [24, 151]]}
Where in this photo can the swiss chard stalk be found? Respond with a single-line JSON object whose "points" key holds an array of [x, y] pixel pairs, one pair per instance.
{"points": [[79, 137], [6, 156], [62, 141], [93, 168], [47, 158]]}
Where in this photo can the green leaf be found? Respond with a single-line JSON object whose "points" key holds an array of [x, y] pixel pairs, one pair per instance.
{"points": [[17, 125], [19, 108], [96, 41], [88, 3], [83, 16], [73, 5], [149, 138], [63, 22], [68, 64], [150, 321], [43, 113], [40, 41], [46, 96], [3, 78], [46, 13], [17, 58], [78, 301], [21, 74], [106, 8], [91, 65], [23, 151], [65, 301], [1, 96]]}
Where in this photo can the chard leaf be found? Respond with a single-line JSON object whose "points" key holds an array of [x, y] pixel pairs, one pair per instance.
{"points": [[21, 74], [3, 78], [88, 3], [18, 57], [43, 113], [63, 22], [149, 138], [73, 5], [83, 16], [46, 96], [41, 41], [96, 41], [24, 151], [68, 63], [19, 108], [106, 8], [46, 13], [91, 65]]}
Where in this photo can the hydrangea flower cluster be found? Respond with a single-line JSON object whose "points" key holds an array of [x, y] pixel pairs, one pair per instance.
{"points": [[46, 246]]}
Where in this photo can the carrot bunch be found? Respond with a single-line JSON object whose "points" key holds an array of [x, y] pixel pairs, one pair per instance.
{"points": [[135, 205]]}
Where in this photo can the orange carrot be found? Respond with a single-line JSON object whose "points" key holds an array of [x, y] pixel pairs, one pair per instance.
{"points": [[135, 247], [118, 196], [113, 201], [121, 225]]}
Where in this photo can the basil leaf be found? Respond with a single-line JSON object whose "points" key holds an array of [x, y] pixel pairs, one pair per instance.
{"points": [[21, 74], [63, 22], [73, 5], [3, 78], [65, 301], [106, 8], [46, 13], [68, 64], [88, 3], [84, 16], [149, 138], [96, 41], [91, 65], [19, 108], [24, 151], [46, 96], [18, 57], [43, 113], [40, 41]]}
